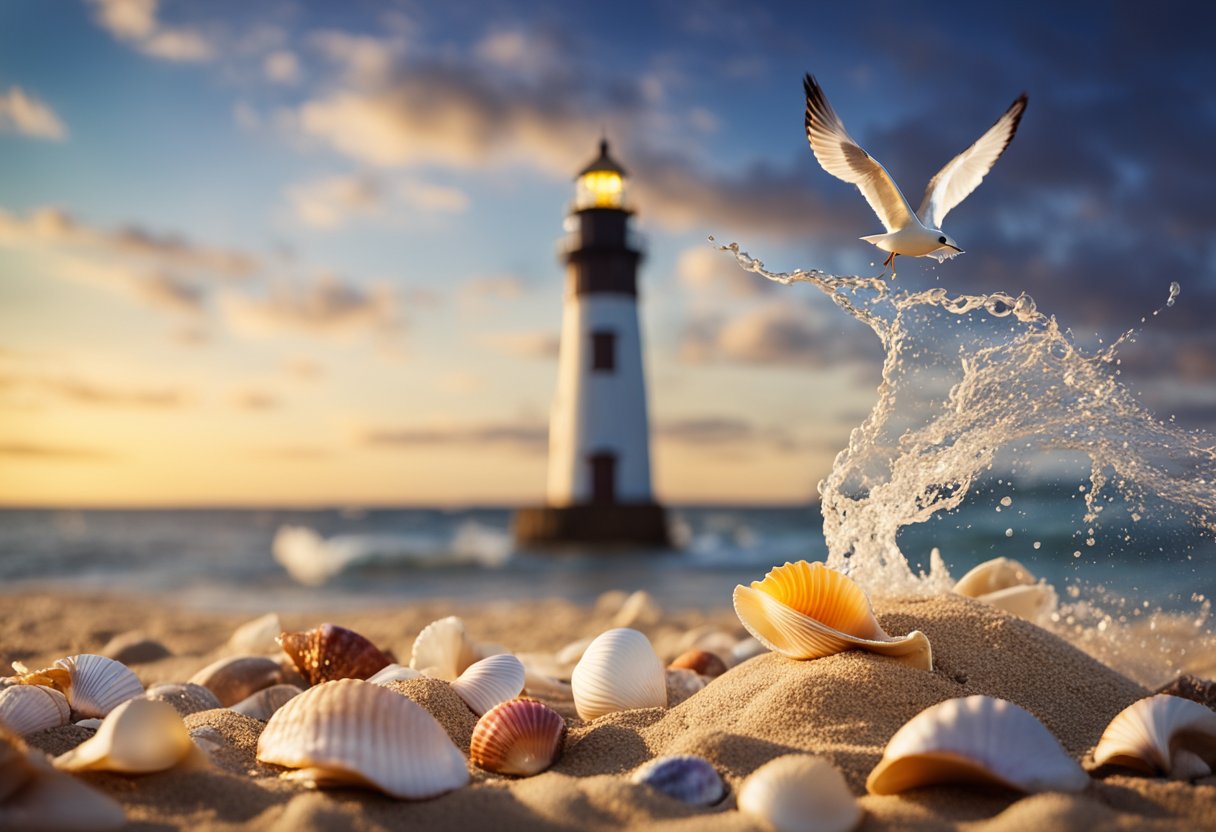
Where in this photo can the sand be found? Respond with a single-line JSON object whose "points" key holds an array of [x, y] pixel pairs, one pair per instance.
{"points": [[843, 707]]}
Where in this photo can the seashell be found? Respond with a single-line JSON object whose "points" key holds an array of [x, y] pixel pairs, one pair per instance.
{"points": [[701, 662], [393, 673], [747, 648], [186, 698], [92, 723], [618, 672], [265, 702], [1161, 734], [685, 777], [569, 655], [1192, 687], [33, 795], [29, 708], [98, 685], [137, 737], [639, 609], [800, 793], [237, 677], [443, 650], [331, 652], [490, 681], [134, 648], [1008, 585], [48, 677], [977, 739], [807, 611], [682, 683], [539, 684], [350, 732], [259, 636], [519, 736]]}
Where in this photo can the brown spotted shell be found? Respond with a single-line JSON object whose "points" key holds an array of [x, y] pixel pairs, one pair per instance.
{"points": [[330, 652]]}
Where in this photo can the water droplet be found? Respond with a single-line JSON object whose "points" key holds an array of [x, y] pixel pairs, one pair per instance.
{"points": [[1037, 544], [1006, 501], [1008, 532]]}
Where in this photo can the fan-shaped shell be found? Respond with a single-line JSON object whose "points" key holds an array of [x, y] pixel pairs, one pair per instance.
{"points": [[977, 739], [186, 698], [490, 681], [443, 650], [29, 708], [1161, 734], [137, 737], [331, 652], [519, 736], [33, 795], [800, 793], [237, 677], [350, 732], [1008, 585], [393, 673], [619, 671], [806, 611], [263, 704], [98, 685], [686, 777]]}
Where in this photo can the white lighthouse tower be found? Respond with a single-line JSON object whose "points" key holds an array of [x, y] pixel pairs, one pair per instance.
{"points": [[599, 435]]}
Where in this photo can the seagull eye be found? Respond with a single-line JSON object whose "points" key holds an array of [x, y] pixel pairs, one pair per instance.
{"points": [[941, 239]]}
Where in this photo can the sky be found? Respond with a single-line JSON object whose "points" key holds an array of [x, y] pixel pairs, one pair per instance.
{"points": [[304, 253]]}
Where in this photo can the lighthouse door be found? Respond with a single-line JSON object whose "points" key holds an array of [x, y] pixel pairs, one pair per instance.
{"points": [[603, 477]]}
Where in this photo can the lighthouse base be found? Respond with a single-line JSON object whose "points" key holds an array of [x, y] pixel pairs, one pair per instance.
{"points": [[629, 524]]}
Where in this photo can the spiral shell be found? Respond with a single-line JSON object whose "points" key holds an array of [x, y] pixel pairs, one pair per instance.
{"points": [[33, 795], [520, 736], [235, 678], [98, 685], [331, 652], [263, 704], [807, 611], [1008, 585], [26, 709], [137, 737], [686, 777], [187, 698], [977, 739], [1161, 734], [619, 671], [800, 793], [490, 681], [350, 732], [443, 650]]}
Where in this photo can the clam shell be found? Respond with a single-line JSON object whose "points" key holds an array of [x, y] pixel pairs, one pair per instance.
{"points": [[393, 673], [263, 704], [331, 652], [1151, 736], [261, 635], [490, 681], [237, 677], [350, 732], [33, 795], [29, 708], [1008, 585], [701, 662], [98, 685], [137, 737], [806, 611], [443, 650], [619, 671], [800, 793], [186, 698], [686, 777], [977, 739], [520, 736]]}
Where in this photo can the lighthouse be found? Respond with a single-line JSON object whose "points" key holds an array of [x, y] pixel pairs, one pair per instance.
{"points": [[598, 488]]}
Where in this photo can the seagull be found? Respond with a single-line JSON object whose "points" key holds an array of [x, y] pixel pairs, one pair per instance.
{"points": [[919, 234]]}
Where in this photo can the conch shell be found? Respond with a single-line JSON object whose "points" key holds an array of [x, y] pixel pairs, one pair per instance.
{"points": [[807, 611], [1161, 734], [1008, 585]]}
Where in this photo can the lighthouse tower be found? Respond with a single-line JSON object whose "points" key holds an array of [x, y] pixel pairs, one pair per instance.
{"points": [[599, 436]]}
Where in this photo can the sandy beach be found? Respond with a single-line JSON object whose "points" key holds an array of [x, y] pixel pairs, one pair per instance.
{"points": [[844, 707]]}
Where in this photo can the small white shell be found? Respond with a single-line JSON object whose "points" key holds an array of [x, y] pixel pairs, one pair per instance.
{"points": [[1008, 585], [263, 704], [29, 708], [800, 793], [619, 671], [490, 681], [1161, 734], [350, 732], [33, 795], [99, 685], [393, 673], [137, 737], [976, 739], [442, 649], [255, 637]]}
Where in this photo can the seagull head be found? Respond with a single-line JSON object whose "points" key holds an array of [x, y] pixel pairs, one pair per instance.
{"points": [[947, 249]]}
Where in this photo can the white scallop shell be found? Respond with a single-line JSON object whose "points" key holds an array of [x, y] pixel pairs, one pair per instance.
{"points": [[619, 671], [490, 681], [99, 685], [976, 739], [1008, 585], [393, 673], [137, 737], [806, 611], [800, 793], [33, 795], [1163, 734], [443, 650], [350, 732], [29, 708], [263, 704]]}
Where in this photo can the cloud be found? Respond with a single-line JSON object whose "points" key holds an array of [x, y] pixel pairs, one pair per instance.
{"points": [[492, 288], [334, 201], [363, 60], [54, 453], [136, 22], [530, 438], [328, 306], [726, 432], [27, 116], [539, 344], [255, 400], [282, 67], [776, 333], [713, 274], [82, 391]]}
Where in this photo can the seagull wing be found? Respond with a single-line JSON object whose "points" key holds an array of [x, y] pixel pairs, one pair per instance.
{"points": [[843, 158], [967, 170]]}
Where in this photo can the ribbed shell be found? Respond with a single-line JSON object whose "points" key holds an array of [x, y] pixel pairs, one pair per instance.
{"points": [[618, 672], [350, 732], [1160, 734], [331, 652], [490, 681], [685, 777], [237, 677], [800, 793], [520, 736], [186, 698], [29, 708], [263, 704], [138, 737], [807, 611], [98, 685], [977, 739], [443, 650]]}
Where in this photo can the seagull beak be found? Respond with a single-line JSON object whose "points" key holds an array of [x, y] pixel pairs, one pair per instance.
{"points": [[956, 248]]}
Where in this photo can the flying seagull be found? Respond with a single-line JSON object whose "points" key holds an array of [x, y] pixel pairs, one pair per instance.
{"points": [[919, 234]]}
